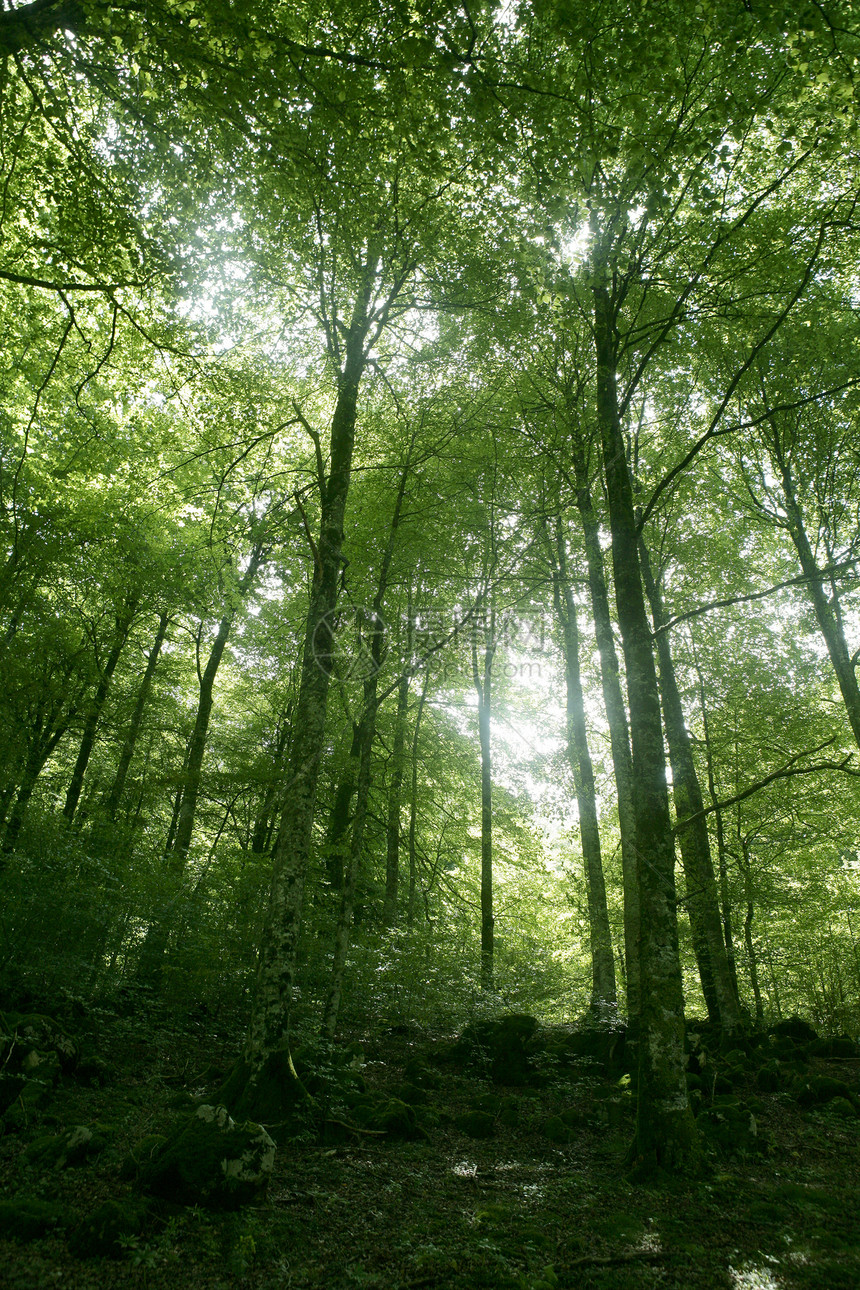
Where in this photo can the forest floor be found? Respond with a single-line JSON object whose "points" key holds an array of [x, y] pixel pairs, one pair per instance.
{"points": [[515, 1209]]}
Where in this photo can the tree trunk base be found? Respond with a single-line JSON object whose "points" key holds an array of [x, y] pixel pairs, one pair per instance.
{"points": [[666, 1142], [272, 1095]]}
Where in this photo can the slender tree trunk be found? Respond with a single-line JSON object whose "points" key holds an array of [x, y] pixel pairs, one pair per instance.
{"points": [[114, 793], [263, 1080], [603, 987], [263, 823], [702, 899], [665, 1129], [96, 707], [40, 750], [619, 737], [196, 750], [367, 727], [336, 847], [482, 677], [413, 804], [392, 858], [827, 614], [722, 853]]}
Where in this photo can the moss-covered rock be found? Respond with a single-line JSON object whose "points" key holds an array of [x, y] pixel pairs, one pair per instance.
{"points": [[211, 1161], [795, 1029], [476, 1124], [769, 1077], [33, 1096], [730, 1125], [75, 1145], [818, 1089], [418, 1071], [142, 1155], [837, 1048], [509, 1112], [45, 1034], [387, 1115], [26, 1220], [102, 1233], [556, 1130]]}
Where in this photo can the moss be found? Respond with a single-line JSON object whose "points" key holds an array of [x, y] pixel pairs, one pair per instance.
{"points": [[103, 1233], [556, 1130], [142, 1155], [211, 1161], [476, 1124], [26, 1220], [821, 1088], [58, 1150]]}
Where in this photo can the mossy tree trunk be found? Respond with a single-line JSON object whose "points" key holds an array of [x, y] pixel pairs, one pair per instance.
{"points": [[666, 1133]]}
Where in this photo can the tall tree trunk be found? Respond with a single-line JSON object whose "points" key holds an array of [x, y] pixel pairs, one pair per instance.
{"points": [[197, 747], [665, 1129], [95, 709], [413, 804], [827, 614], [752, 960], [259, 1085], [619, 736], [114, 793], [482, 677], [262, 831], [603, 987], [722, 852], [693, 839], [155, 942], [43, 744], [337, 847], [392, 848], [367, 727]]}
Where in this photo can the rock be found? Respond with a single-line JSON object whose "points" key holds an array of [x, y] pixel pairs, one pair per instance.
{"points": [[32, 1097], [842, 1107], [503, 1043], [731, 1126], [417, 1072], [387, 1115], [211, 1161], [476, 1124], [101, 1233], [837, 1048], [796, 1029], [142, 1155], [605, 1048], [509, 1112], [45, 1034], [26, 1220], [820, 1089], [556, 1130], [768, 1078], [57, 1150]]}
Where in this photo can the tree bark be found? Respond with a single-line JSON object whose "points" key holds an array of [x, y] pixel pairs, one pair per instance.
{"points": [[193, 774], [392, 849], [703, 903], [665, 1129], [95, 709], [603, 986], [266, 1051], [826, 612], [482, 677], [413, 804], [114, 793], [619, 736]]}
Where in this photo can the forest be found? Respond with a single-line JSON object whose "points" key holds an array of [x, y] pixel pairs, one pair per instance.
{"points": [[429, 633]]}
